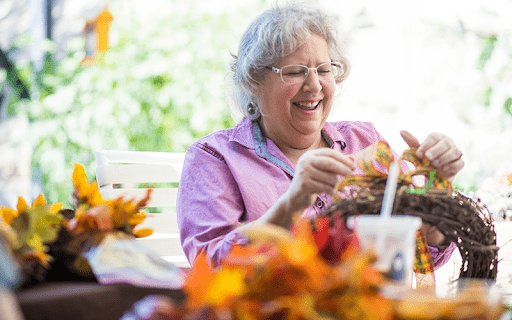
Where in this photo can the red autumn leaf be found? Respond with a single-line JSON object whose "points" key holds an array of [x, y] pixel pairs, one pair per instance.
{"points": [[321, 234]]}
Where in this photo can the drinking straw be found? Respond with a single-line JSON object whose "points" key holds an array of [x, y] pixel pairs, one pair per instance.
{"points": [[387, 204]]}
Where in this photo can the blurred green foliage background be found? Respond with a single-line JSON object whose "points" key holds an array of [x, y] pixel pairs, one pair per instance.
{"points": [[160, 86]]}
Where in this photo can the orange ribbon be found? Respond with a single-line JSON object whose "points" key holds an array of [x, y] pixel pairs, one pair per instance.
{"points": [[377, 157]]}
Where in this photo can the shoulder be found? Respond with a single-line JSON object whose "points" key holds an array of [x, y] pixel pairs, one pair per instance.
{"points": [[212, 144], [357, 126], [356, 134], [224, 141]]}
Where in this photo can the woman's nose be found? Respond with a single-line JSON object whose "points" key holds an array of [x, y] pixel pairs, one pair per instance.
{"points": [[312, 82]]}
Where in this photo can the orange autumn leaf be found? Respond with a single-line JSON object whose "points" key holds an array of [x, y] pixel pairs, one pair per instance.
{"points": [[197, 281], [246, 309], [122, 214], [22, 205], [55, 208], [8, 215], [352, 248], [375, 307], [300, 306], [137, 218], [39, 201], [142, 233], [205, 287], [39, 256], [304, 253], [85, 192], [227, 285]]}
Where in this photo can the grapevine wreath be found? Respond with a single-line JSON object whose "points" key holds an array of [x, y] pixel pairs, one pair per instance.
{"points": [[461, 219]]}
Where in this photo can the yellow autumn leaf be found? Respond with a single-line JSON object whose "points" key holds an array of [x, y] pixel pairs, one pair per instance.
{"points": [[86, 192], [137, 218], [141, 233], [198, 280], [300, 306], [95, 197], [54, 208], [22, 205], [79, 179], [8, 215], [39, 201], [226, 285], [38, 255], [34, 242]]}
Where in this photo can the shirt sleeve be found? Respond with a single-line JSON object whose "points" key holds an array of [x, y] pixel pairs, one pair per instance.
{"points": [[441, 256], [209, 205]]}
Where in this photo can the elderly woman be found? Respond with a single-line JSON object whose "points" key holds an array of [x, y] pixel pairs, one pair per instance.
{"points": [[283, 157]]}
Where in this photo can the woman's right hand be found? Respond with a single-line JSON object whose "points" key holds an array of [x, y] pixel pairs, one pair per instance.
{"points": [[318, 171]]}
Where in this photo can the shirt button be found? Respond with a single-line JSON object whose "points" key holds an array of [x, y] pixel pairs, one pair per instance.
{"points": [[319, 204]]}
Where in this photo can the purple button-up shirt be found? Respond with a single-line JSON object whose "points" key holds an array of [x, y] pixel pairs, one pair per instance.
{"points": [[235, 175]]}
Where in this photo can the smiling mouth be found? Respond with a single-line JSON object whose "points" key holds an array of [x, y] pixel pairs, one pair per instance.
{"points": [[307, 105]]}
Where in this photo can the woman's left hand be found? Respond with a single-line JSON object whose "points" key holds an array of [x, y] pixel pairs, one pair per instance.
{"points": [[439, 150], [433, 236]]}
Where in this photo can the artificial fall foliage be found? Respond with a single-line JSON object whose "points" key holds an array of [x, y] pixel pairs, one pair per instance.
{"points": [[281, 274], [32, 230], [92, 213]]}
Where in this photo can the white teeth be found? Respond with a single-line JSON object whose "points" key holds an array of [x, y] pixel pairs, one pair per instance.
{"points": [[308, 105]]}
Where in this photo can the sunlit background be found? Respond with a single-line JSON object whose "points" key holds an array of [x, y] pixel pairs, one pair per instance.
{"points": [[437, 66]]}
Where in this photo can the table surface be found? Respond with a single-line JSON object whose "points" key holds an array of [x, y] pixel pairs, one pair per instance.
{"points": [[84, 300]]}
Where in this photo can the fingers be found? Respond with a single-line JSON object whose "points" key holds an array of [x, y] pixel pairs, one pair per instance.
{"points": [[451, 169], [440, 151], [411, 140], [317, 172], [432, 234], [333, 162], [439, 156], [324, 166], [434, 146]]}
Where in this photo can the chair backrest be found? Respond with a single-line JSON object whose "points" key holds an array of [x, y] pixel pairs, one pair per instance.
{"points": [[130, 174]]}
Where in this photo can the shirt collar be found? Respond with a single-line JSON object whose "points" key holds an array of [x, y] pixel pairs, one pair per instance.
{"points": [[332, 135], [242, 133]]}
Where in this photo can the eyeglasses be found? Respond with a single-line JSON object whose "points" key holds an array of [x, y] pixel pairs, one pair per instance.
{"points": [[327, 72]]}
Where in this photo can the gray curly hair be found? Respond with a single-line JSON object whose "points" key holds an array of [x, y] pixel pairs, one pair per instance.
{"points": [[276, 33]]}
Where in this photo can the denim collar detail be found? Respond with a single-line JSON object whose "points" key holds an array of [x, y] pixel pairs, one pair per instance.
{"points": [[260, 145]]}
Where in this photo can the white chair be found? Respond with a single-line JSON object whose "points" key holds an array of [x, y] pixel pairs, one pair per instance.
{"points": [[129, 174]]}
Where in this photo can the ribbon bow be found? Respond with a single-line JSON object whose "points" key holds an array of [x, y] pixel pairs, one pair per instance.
{"points": [[375, 159]]}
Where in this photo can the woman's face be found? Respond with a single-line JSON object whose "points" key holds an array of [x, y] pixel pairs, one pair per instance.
{"points": [[293, 114]]}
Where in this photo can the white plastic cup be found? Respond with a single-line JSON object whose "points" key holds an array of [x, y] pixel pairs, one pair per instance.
{"points": [[393, 239]]}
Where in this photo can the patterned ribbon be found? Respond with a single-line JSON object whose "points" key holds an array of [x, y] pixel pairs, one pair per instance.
{"points": [[423, 266], [374, 160]]}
